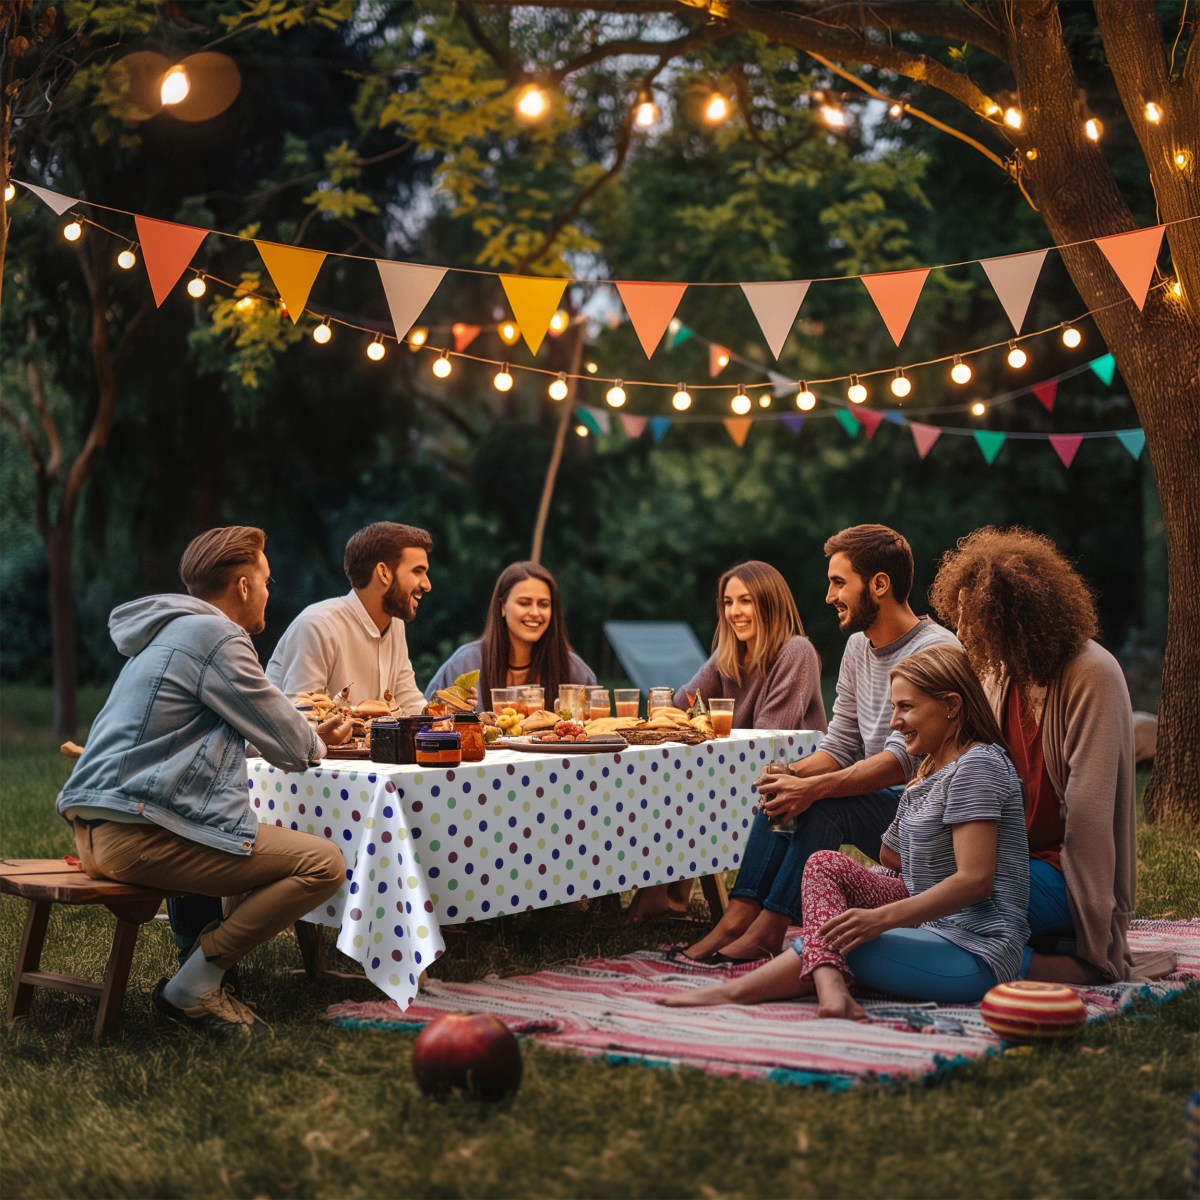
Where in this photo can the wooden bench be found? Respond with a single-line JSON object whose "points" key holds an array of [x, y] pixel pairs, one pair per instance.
{"points": [[45, 882]]}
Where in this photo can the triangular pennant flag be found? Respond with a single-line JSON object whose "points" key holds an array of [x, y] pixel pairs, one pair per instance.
{"points": [[587, 419], [781, 385], [681, 335], [924, 436], [1104, 366], [1132, 256], [534, 301], [293, 271], [775, 307], [659, 427], [989, 442], [1134, 440], [871, 419], [847, 421], [650, 307], [167, 248], [632, 425], [1066, 445], [895, 294], [715, 354], [56, 200], [738, 428], [1045, 392], [464, 335], [1013, 279], [602, 417], [794, 421], [408, 287], [895, 416]]}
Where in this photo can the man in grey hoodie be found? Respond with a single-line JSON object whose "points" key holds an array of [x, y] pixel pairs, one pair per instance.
{"points": [[159, 796]]}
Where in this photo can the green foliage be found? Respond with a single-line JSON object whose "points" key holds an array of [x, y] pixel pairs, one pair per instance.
{"points": [[278, 16]]}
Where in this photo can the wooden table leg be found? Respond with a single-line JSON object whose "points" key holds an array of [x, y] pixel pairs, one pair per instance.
{"points": [[311, 939], [116, 978], [713, 887], [29, 956]]}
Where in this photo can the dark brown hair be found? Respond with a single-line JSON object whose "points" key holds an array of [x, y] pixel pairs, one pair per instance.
{"points": [[551, 663], [778, 621], [1018, 606], [211, 560], [876, 550], [381, 542]]}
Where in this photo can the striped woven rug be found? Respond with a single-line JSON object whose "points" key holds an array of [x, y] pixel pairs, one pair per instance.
{"points": [[605, 1008]]}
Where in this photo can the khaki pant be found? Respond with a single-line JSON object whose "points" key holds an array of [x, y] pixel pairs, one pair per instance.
{"points": [[286, 875]]}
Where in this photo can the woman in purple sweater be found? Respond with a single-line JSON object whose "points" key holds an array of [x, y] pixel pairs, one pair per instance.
{"points": [[763, 662]]}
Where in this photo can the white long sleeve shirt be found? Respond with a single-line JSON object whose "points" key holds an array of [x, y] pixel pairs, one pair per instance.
{"points": [[334, 643]]}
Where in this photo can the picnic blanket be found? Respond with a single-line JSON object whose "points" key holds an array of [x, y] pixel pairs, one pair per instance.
{"points": [[605, 1008]]}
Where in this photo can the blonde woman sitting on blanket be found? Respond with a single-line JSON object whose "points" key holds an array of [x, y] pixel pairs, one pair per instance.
{"points": [[952, 923]]}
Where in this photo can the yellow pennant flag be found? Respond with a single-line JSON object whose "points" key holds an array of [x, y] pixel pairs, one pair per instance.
{"points": [[293, 271], [534, 301]]}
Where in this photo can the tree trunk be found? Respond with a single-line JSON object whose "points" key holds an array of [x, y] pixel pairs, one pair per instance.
{"points": [[59, 544]]}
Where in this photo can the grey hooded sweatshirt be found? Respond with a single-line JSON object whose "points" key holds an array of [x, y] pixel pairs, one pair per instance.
{"points": [[169, 744]]}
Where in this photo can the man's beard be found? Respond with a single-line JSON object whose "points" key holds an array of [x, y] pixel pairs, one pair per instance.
{"points": [[399, 603], [862, 616]]}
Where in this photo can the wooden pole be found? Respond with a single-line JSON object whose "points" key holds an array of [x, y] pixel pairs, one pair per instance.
{"points": [[560, 437]]}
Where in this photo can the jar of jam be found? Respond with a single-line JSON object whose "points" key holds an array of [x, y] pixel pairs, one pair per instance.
{"points": [[469, 729], [439, 748]]}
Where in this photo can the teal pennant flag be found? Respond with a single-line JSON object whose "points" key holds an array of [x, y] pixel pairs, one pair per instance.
{"points": [[588, 420], [989, 442], [1104, 368], [681, 335], [1134, 440], [847, 421], [659, 427]]}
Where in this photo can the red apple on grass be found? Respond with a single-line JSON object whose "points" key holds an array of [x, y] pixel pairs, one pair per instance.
{"points": [[474, 1053]]}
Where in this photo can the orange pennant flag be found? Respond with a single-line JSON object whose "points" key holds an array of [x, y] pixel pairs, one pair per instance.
{"points": [[895, 294], [293, 271], [167, 248], [739, 428], [1132, 256], [650, 307], [534, 301], [718, 359]]}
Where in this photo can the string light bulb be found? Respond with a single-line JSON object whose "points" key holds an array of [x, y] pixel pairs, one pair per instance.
{"points": [[558, 389], [833, 116], [960, 372], [376, 350], [442, 365], [741, 402], [532, 103], [896, 111], [322, 333], [503, 379], [126, 260], [646, 112], [1182, 159], [175, 86], [418, 335], [1017, 357], [764, 400], [722, 360], [682, 400], [805, 399], [559, 321], [901, 384], [1153, 112], [591, 368], [1093, 128], [856, 393], [196, 287], [615, 394], [978, 408], [581, 431], [1177, 289], [509, 332], [990, 108], [1071, 336], [9, 191], [1013, 118], [73, 232], [717, 110]]}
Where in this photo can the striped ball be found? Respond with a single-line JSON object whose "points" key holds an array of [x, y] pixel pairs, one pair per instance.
{"points": [[1026, 1011]]}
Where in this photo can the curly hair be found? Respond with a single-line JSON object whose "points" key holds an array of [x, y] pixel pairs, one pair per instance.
{"points": [[1018, 606]]}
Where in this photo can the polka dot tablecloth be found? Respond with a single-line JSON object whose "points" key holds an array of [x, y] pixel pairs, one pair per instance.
{"points": [[426, 847]]}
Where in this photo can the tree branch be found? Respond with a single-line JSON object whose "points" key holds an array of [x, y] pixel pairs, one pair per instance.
{"points": [[511, 69]]}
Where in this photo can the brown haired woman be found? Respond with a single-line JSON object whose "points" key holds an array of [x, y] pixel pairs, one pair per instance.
{"points": [[765, 664], [524, 641], [1026, 619], [951, 924]]}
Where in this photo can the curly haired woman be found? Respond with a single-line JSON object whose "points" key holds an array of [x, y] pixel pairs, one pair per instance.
{"points": [[1026, 619]]}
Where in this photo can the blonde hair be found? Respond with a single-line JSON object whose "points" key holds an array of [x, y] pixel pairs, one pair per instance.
{"points": [[945, 671], [211, 560], [776, 615]]}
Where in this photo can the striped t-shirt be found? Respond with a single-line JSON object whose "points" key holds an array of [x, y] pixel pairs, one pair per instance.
{"points": [[981, 785]]}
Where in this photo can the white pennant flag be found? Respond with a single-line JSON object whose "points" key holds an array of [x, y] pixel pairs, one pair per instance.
{"points": [[781, 385], [776, 305], [408, 287], [56, 200], [1013, 279]]}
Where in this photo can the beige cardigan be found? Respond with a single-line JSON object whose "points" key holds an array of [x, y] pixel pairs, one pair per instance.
{"points": [[1087, 739]]}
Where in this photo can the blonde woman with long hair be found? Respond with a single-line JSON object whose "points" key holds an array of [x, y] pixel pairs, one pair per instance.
{"points": [[765, 664], [951, 922]]}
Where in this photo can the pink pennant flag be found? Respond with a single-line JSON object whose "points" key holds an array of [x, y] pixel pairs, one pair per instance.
{"points": [[775, 307], [1132, 256], [924, 436], [895, 294], [167, 248], [1013, 278], [633, 425], [464, 335], [715, 354], [650, 307], [1045, 392], [1065, 446], [870, 418]]}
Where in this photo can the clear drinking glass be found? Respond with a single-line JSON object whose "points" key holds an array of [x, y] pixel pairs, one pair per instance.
{"points": [[720, 713], [572, 702], [628, 701], [660, 697], [530, 699], [503, 698], [599, 703], [784, 825]]}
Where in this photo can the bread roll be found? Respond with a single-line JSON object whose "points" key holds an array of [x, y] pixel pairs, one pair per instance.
{"points": [[372, 708]]}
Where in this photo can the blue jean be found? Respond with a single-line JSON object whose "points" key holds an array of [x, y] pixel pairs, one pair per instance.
{"points": [[773, 865], [919, 964], [1050, 926]]}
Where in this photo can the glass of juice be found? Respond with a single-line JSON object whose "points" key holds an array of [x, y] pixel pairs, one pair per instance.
{"points": [[599, 703], [720, 713], [572, 702], [628, 701], [660, 697], [503, 698], [530, 699]]}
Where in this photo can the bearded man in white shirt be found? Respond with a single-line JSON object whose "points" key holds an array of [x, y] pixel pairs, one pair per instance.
{"points": [[358, 639]]}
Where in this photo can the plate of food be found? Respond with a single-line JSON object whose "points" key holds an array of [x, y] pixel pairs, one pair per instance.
{"points": [[565, 737]]}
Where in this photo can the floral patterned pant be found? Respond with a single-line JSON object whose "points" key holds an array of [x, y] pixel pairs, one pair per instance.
{"points": [[833, 883]]}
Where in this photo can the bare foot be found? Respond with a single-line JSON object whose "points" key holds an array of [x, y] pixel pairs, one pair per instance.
{"points": [[777, 980], [762, 939], [700, 998], [833, 996], [739, 916]]}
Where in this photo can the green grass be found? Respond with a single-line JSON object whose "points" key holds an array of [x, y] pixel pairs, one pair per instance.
{"points": [[323, 1112]]}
